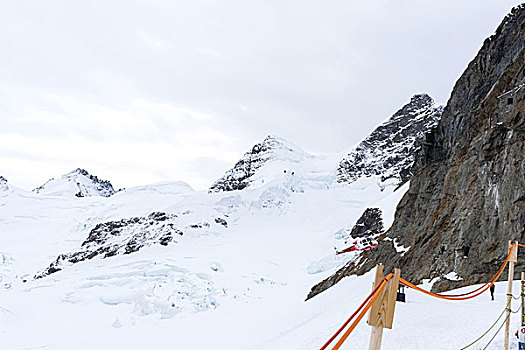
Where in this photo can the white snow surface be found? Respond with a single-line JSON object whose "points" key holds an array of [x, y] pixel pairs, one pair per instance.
{"points": [[237, 287]]}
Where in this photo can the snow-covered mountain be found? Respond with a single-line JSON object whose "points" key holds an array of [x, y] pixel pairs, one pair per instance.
{"points": [[78, 183], [164, 266], [271, 149], [386, 154], [389, 150], [265, 230], [154, 258]]}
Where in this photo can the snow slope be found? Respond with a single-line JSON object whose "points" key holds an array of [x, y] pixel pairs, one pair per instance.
{"points": [[277, 240]]}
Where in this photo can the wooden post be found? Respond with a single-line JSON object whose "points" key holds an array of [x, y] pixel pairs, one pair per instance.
{"points": [[512, 260], [382, 310], [523, 299], [376, 335], [392, 287]]}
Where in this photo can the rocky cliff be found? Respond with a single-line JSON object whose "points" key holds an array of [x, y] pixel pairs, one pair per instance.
{"points": [[389, 150], [467, 195]]}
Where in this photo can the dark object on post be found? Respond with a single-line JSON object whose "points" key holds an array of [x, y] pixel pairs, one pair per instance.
{"points": [[401, 296]]}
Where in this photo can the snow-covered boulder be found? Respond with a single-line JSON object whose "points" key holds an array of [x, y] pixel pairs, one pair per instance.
{"points": [[388, 152], [78, 183]]}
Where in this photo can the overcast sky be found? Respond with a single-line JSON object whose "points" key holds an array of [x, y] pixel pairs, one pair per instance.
{"points": [[144, 91]]}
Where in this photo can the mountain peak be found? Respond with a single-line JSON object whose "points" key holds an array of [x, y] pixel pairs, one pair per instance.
{"points": [[421, 100], [389, 150], [79, 183], [79, 171], [418, 103], [271, 148]]}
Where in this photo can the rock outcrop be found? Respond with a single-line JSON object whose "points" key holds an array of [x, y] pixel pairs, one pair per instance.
{"points": [[78, 183], [467, 197], [369, 224], [389, 150], [120, 237], [128, 236], [272, 148]]}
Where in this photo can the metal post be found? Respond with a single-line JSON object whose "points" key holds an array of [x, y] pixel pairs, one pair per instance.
{"points": [[512, 260]]}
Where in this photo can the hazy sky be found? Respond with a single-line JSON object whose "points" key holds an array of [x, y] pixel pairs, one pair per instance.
{"points": [[143, 91]]}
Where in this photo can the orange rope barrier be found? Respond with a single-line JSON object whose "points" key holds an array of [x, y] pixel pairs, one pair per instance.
{"points": [[492, 280], [352, 316], [375, 294], [459, 296], [362, 314]]}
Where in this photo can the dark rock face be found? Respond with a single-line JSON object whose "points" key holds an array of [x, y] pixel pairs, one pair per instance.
{"points": [[239, 176], [121, 237], [467, 197], [389, 150], [369, 224], [87, 184]]}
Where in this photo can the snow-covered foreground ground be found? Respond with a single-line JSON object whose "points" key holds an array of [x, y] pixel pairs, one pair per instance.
{"points": [[237, 287]]}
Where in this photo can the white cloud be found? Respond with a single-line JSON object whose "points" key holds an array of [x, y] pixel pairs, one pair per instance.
{"points": [[140, 91]]}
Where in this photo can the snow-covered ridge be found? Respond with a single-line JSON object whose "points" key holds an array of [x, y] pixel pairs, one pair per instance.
{"points": [[387, 153], [78, 183], [389, 150], [272, 148]]}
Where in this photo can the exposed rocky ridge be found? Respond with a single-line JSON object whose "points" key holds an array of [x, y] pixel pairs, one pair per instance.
{"points": [[127, 236], [239, 177], [389, 150], [80, 182], [120, 237], [467, 197]]}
